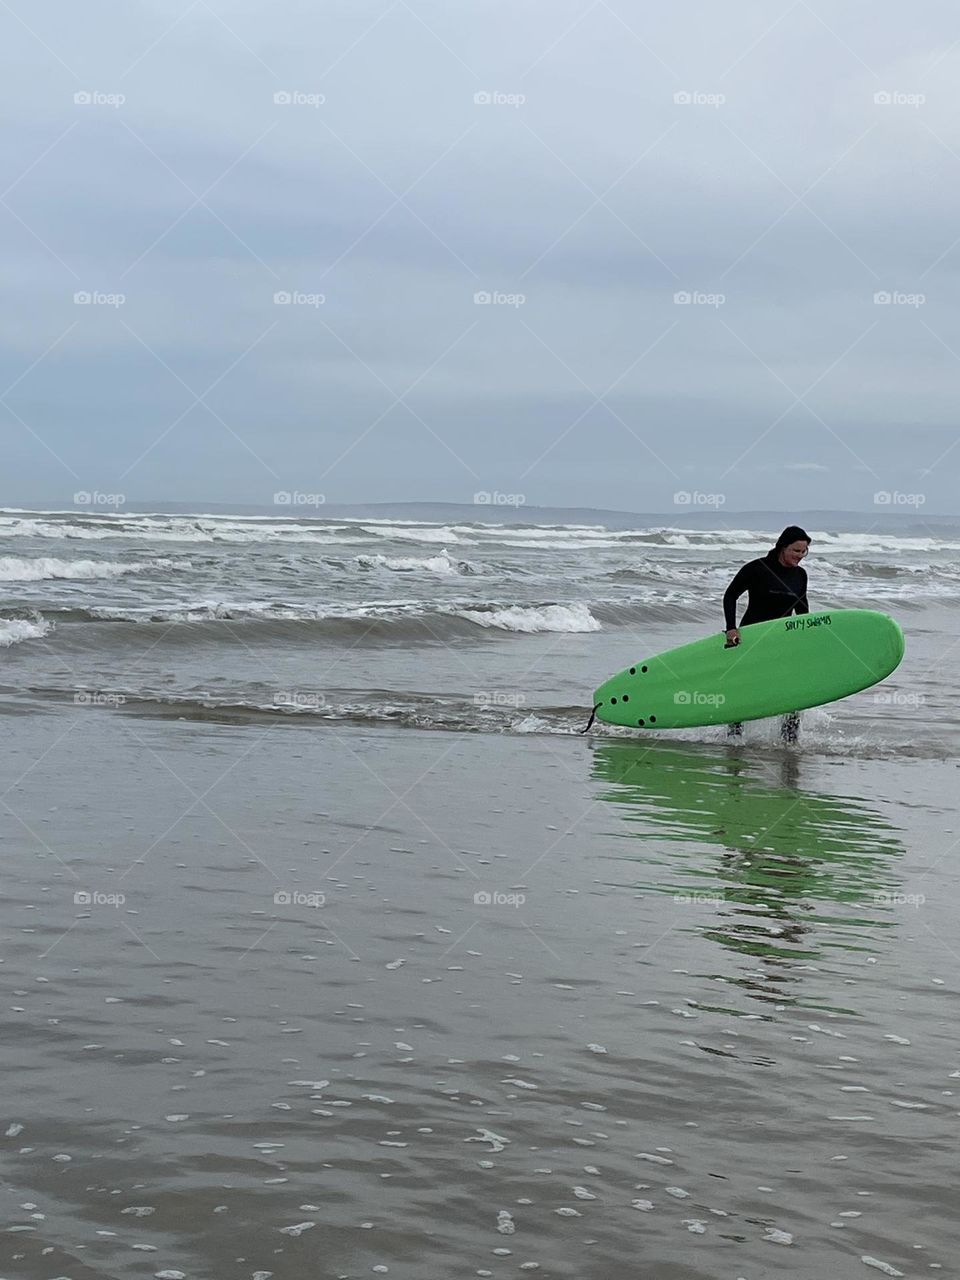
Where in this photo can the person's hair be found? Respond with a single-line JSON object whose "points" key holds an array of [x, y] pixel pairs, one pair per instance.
{"points": [[791, 534]]}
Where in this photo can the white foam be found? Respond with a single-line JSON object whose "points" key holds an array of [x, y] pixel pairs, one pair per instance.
{"points": [[441, 564], [408, 533], [537, 724], [16, 630], [776, 1236], [178, 529], [535, 530], [203, 527], [496, 1140], [552, 544], [885, 1267], [256, 610], [209, 611], [42, 568], [533, 618]]}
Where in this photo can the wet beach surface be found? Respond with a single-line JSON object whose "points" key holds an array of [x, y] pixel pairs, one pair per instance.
{"points": [[457, 1004]]}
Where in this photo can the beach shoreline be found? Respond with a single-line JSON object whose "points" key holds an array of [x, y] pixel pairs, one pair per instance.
{"points": [[655, 991]]}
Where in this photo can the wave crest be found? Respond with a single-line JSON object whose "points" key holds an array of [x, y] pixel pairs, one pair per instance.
{"points": [[526, 618], [442, 564], [45, 568], [16, 630]]}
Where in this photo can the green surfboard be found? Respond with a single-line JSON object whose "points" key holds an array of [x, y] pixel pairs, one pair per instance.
{"points": [[779, 666]]}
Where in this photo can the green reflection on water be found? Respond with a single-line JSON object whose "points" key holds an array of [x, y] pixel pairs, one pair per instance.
{"points": [[790, 875]]}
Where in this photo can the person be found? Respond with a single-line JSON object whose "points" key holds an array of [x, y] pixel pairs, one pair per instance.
{"points": [[776, 587]]}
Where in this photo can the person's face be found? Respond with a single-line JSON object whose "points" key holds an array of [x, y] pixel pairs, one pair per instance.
{"points": [[793, 554]]}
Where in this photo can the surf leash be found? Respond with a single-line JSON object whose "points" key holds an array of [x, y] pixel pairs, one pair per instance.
{"points": [[593, 715]]}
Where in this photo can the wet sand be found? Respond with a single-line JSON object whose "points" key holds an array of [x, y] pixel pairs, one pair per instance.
{"points": [[701, 1020]]}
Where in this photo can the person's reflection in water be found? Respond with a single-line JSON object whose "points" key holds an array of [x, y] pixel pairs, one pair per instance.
{"points": [[789, 766], [788, 865], [754, 875]]}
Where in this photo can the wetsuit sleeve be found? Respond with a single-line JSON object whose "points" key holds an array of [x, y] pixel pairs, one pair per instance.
{"points": [[732, 594], [803, 605]]}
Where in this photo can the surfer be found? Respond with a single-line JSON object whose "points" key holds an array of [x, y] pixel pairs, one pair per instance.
{"points": [[776, 587]]}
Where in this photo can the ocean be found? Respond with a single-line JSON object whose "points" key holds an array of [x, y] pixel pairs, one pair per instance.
{"points": [[297, 811], [470, 627]]}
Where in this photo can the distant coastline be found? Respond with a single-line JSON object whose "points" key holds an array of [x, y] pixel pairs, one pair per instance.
{"points": [[881, 520]]}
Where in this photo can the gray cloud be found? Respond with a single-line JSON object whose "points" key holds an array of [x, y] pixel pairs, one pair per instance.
{"points": [[782, 211]]}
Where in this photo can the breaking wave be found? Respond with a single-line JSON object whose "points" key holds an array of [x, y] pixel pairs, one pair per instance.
{"points": [[16, 630], [44, 568]]}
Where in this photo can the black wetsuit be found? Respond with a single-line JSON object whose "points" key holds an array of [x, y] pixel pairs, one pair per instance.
{"points": [[775, 591]]}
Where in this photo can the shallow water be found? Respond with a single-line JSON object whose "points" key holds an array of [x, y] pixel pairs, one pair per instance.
{"points": [[716, 1038]]}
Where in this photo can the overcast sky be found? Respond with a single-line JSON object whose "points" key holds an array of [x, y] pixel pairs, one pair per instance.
{"points": [[620, 154]]}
